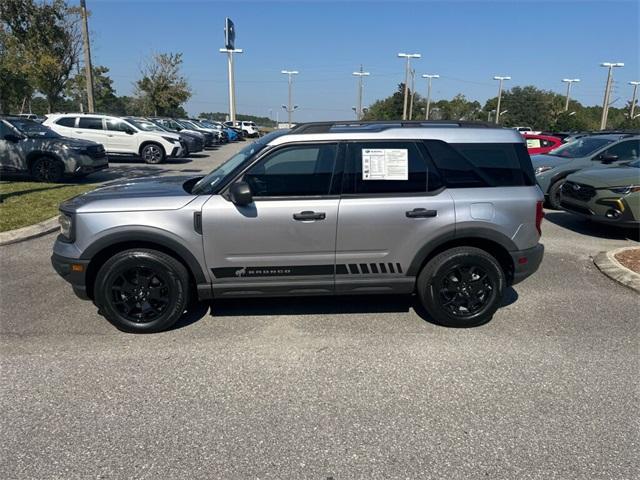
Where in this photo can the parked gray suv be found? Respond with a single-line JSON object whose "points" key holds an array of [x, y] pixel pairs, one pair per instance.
{"points": [[450, 211], [28, 147]]}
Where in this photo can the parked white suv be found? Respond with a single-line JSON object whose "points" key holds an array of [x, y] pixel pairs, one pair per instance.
{"points": [[123, 136], [249, 128]]}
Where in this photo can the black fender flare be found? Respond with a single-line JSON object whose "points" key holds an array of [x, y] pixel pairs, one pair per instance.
{"points": [[459, 234], [147, 235]]}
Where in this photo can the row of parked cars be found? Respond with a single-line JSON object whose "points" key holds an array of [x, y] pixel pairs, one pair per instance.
{"points": [[79, 144], [595, 175]]}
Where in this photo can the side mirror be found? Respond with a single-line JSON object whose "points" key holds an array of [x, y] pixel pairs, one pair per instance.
{"points": [[240, 194], [129, 131], [10, 137], [607, 157]]}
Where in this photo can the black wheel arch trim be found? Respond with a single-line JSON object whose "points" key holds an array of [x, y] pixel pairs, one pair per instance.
{"points": [[560, 176], [149, 235], [456, 234]]}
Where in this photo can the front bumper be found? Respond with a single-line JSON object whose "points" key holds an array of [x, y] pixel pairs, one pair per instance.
{"points": [[593, 210], [74, 271], [86, 169], [177, 152], [526, 262]]}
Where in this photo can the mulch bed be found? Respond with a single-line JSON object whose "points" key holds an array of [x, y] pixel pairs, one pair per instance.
{"points": [[630, 259]]}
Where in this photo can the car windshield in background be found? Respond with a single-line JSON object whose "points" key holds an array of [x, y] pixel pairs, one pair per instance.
{"points": [[144, 125], [33, 129], [635, 163], [582, 147], [207, 184]]}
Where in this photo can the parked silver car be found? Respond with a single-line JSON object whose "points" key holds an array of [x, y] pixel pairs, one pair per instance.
{"points": [[30, 148], [449, 211]]}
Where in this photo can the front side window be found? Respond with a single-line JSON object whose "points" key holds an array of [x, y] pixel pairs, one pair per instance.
{"points": [[628, 150], [300, 170], [117, 126], [385, 167], [91, 123], [67, 122]]}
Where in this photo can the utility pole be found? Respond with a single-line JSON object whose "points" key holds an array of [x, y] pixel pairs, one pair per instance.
{"points": [[569, 82], [230, 49], [360, 76], [500, 79], [607, 92], [408, 56], [633, 99], [290, 108], [88, 69], [429, 77], [413, 92]]}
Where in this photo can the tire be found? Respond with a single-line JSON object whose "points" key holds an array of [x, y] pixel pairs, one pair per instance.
{"points": [[553, 198], [47, 169], [152, 153], [469, 303], [142, 290]]}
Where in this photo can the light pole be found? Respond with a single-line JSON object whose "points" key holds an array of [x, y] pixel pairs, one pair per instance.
{"points": [[607, 92], [633, 98], [289, 108], [360, 76], [408, 56], [88, 69], [569, 82], [413, 92], [500, 79], [429, 77]]}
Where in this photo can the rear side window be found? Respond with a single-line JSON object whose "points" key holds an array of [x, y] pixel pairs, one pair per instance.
{"points": [[487, 164], [387, 168], [92, 123], [67, 122]]}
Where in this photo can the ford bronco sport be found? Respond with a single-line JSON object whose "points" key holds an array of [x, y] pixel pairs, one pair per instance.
{"points": [[449, 211]]}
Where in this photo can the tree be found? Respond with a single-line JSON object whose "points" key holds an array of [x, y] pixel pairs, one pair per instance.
{"points": [[43, 41], [162, 89], [458, 108], [104, 95], [388, 109]]}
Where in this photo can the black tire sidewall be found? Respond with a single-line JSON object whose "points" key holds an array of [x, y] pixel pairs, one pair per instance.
{"points": [[170, 268], [55, 167], [554, 191], [440, 264]]}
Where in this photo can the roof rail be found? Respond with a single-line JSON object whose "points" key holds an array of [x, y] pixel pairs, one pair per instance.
{"points": [[380, 125]]}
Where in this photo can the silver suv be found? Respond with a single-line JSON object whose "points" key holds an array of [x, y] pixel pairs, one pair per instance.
{"points": [[448, 211]]}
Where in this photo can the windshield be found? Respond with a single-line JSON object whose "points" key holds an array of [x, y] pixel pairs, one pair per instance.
{"points": [[582, 147], [144, 125], [190, 125], [33, 129], [207, 184]]}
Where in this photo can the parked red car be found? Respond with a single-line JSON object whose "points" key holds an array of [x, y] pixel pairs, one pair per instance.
{"points": [[541, 143]]}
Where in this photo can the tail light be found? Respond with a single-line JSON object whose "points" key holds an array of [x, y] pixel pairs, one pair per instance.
{"points": [[539, 217]]}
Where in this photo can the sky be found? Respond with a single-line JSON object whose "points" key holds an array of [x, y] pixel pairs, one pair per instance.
{"points": [[467, 43]]}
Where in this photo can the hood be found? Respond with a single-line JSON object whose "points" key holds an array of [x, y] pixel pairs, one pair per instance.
{"points": [[73, 142], [544, 160], [607, 177], [156, 193]]}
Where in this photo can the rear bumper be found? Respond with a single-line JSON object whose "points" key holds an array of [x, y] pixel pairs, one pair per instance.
{"points": [[74, 271], [526, 262]]}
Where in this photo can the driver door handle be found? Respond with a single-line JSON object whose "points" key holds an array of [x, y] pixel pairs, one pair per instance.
{"points": [[421, 213], [308, 215]]}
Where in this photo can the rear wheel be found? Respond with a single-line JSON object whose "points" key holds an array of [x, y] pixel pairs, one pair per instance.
{"points": [[142, 291], [47, 169], [461, 287], [554, 195], [152, 153]]}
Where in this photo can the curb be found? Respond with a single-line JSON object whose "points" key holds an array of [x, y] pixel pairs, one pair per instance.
{"points": [[607, 264], [27, 233]]}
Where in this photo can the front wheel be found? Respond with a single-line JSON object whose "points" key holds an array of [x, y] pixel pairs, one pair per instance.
{"points": [[47, 169], [461, 287], [553, 198], [142, 290], [152, 153]]}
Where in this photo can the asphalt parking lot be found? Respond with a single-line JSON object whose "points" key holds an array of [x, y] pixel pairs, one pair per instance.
{"points": [[325, 388]]}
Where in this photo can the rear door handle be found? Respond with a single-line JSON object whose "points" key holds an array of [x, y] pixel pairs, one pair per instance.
{"points": [[308, 215], [421, 213]]}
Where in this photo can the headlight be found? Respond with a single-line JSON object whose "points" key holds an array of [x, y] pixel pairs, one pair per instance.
{"points": [[625, 190], [171, 139], [66, 226], [540, 170], [74, 148]]}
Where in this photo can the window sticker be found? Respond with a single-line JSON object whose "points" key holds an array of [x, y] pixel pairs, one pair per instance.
{"points": [[385, 164]]}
